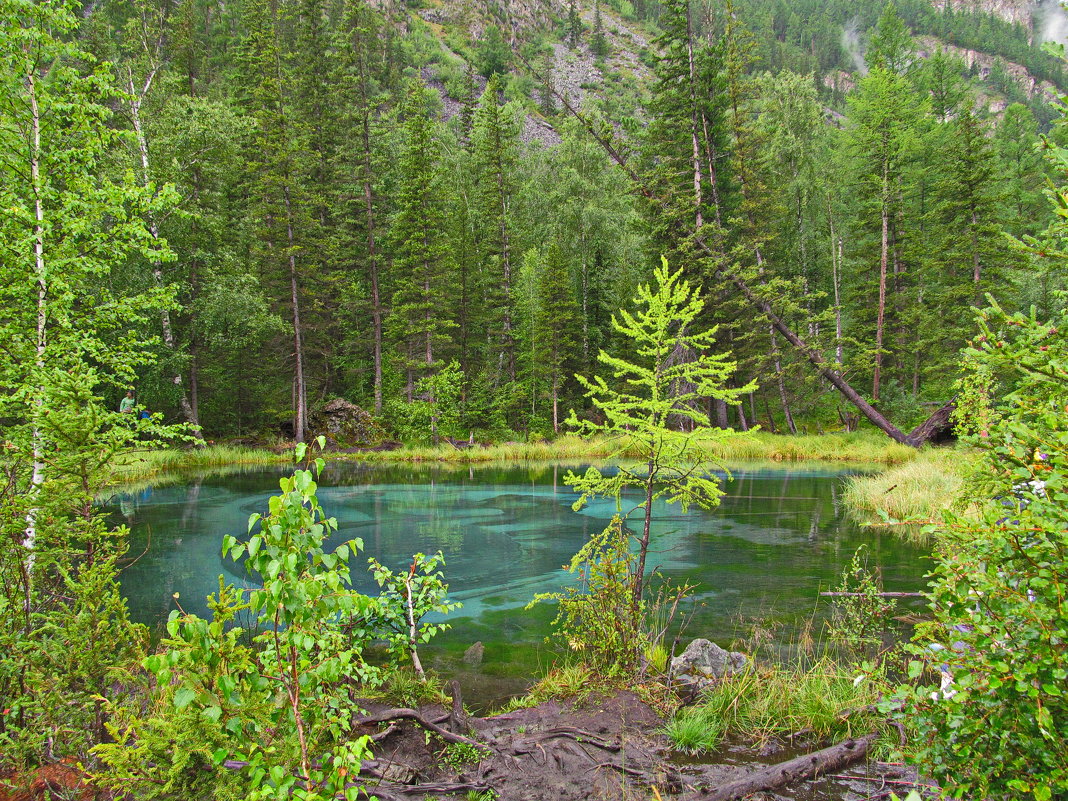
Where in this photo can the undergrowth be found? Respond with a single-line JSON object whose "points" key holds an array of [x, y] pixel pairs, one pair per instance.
{"points": [[866, 447], [143, 464]]}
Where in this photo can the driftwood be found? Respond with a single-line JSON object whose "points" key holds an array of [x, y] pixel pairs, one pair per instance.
{"points": [[783, 774], [935, 428]]}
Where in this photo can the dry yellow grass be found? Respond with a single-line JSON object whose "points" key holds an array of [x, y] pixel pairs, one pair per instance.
{"points": [[918, 490]]}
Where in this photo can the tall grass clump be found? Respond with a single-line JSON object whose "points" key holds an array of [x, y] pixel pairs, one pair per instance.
{"points": [[863, 447], [918, 490], [823, 701], [142, 464]]}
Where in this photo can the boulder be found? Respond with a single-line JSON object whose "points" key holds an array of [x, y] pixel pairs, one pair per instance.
{"points": [[473, 655], [702, 664], [344, 424]]}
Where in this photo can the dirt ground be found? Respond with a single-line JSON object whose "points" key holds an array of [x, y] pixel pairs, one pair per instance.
{"points": [[607, 748]]}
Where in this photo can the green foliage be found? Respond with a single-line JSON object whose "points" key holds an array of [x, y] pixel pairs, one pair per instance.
{"points": [[860, 621], [282, 704], [595, 620], [458, 755], [406, 598], [71, 333], [436, 409], [996, 725], [652, 409], [493, 56]]}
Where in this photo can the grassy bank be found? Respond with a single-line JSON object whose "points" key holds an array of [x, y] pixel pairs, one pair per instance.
{"points": [[857, 447], [916, 490], [821, 702], [141, 465]]}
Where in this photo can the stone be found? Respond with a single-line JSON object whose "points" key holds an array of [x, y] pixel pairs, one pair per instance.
{"points": [[702, 664], [345, 424], [473, 655]]}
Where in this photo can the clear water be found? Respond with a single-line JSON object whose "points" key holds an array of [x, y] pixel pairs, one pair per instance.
{"points": [[777, 539]]}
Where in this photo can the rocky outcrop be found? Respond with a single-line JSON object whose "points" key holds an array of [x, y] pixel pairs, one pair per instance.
{"points": [[344, 424], [1018, 11]]}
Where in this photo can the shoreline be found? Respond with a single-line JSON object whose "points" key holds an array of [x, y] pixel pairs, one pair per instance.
{"points": [[862, 448]]}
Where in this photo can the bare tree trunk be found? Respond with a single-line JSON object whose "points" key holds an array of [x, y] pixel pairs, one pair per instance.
{"points": [[782, 384], [29, 538], [372, 262], [135, 100], [300, 418], [884, 256], [743, 424], [720, 409], [699, 219], [836, 267]]}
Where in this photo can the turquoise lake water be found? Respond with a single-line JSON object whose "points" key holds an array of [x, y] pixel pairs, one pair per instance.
{"points": [[777, 539]]}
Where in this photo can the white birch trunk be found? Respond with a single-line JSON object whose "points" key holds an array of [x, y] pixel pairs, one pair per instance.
{"points": [[29, 539], [136, 98]]}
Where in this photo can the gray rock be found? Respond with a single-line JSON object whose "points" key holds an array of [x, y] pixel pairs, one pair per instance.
{"points": [[473, 655], [702, 664]]}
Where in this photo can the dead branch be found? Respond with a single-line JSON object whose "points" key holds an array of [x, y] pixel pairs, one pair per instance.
{"points": [[391, 715]]}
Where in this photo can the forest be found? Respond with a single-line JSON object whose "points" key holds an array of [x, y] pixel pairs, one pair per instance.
{"points": [[489, 223], [353, 213]]}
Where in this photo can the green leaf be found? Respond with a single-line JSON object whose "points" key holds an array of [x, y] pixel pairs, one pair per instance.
{"points": [[184, 697]]}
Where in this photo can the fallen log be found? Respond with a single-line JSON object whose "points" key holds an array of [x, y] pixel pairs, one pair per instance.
{"points": [[786, 773], [865, 594], [938, 427]]}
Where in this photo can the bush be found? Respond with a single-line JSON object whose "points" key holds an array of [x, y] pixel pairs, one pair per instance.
{"points": [[991, 707]]}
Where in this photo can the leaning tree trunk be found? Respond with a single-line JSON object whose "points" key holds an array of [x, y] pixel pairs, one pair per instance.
{"points": [[761, 304], [782, 383]]}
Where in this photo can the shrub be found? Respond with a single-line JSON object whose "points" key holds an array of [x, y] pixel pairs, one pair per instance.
{"points": [[990, 705]]}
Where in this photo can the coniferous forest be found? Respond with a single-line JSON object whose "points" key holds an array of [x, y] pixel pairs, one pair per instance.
{"points": [[475, 221], [354, 208]]}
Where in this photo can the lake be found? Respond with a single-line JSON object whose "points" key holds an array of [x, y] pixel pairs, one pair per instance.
{"points": [[779, 537]]}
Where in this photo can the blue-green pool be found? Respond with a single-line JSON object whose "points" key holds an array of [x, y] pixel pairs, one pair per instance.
{"points": [[777, 539]]}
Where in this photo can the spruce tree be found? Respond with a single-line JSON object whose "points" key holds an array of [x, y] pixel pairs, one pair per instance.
{"points": [[419, 245], [496, 151], [555, 323]]}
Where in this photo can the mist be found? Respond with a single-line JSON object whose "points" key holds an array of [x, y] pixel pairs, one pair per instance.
{"points": [[1052, 21], [851, 43]]}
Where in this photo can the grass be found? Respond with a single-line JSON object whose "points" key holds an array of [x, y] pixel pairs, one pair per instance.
{"points": [[917, 490], [822, 702], [139, 465], [570, 681], [864, 447]]}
